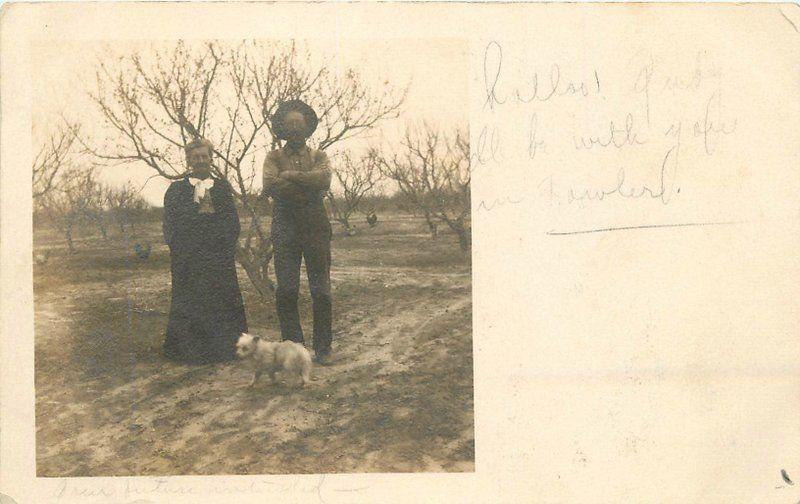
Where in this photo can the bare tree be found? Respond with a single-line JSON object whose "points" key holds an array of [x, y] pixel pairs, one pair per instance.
{"points": [[57, 208], [432, 171], [126, 204], [96, 205], [72, 201], [154, 104], [51, 157], [356, 177]]}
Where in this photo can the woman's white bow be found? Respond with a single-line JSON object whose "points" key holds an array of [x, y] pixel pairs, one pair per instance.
{"points": [[200, 187]]}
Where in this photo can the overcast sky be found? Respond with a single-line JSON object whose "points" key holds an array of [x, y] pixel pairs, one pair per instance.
{"points": [[437, 70]]}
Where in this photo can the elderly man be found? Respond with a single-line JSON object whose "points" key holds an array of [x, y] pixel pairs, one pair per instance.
{"points": [[201, 228], [297, 177]]}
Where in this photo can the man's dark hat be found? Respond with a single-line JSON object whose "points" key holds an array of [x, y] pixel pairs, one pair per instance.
{"points": [[293, 106]]}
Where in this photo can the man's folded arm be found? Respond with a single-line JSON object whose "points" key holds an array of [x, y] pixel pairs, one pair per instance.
{"points": [[270, 177], [318, 178], [276, 186]]}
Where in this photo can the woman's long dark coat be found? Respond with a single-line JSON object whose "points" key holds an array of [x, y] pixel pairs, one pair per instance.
{"points": [[207, 312]]}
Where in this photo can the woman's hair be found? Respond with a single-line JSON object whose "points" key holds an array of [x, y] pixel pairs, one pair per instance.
{"points": [[197, 143]]}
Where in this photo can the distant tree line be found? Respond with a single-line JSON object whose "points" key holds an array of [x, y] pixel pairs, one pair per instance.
{"points": [[79, 200]]}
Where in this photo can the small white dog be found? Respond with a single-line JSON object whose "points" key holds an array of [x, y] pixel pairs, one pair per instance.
{"points": [[271, 357]]}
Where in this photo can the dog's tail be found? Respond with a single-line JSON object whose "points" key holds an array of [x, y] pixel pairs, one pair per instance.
{"points": [[305, 372]]}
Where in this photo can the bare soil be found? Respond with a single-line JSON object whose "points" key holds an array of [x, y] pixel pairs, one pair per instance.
{"points": [[399, 397]]}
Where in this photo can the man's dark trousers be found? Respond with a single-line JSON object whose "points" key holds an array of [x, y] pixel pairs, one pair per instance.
{"points": [[303, 232]]}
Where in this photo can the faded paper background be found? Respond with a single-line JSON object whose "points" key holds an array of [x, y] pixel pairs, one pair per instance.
{"points": [[655, 363]]}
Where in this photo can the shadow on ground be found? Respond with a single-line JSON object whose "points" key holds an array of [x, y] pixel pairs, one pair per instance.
{"points": [[398, 399]]}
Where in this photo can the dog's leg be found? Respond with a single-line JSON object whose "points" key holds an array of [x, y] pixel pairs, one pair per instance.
{"points": [[272, 376], [305, 376], [256, 376]]}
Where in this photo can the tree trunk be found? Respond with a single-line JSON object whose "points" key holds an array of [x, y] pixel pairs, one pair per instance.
{"points": [[265, 274], [256, 264], [68, 234], [103, 230], [258, 277], [344, 221], [463, 232], [433, 228], [464, 238]]}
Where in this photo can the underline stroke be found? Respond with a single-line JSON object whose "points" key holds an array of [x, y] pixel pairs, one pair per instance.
{"points": [[642, 226]]}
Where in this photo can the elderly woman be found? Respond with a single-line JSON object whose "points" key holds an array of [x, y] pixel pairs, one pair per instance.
{"points": [[201, 228]]}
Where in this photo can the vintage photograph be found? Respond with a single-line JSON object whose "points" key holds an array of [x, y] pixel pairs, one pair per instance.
{"points": [[252, 257]]}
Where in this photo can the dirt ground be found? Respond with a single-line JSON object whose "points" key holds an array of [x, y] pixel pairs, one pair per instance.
{"points": [[398, 399]]}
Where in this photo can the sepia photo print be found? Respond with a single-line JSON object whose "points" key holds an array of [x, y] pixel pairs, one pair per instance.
{"points": [[252, 257]]}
